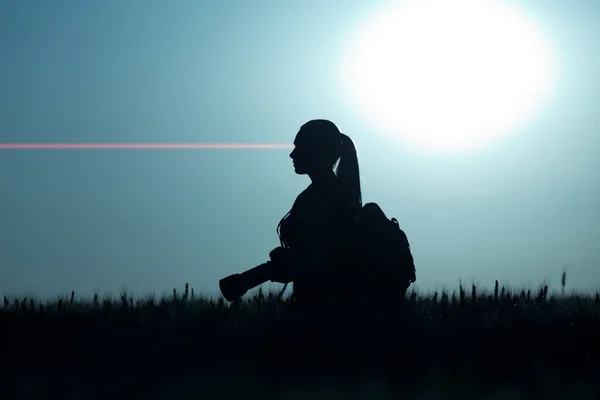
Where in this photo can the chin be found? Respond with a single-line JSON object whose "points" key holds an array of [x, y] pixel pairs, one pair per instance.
{"points": [[299, 171]]}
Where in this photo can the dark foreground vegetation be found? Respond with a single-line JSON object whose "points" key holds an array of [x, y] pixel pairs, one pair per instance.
{"points": [[467, 344]]}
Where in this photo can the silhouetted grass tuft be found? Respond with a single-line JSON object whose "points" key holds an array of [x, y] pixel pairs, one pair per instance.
{"points": [[485, 336]]}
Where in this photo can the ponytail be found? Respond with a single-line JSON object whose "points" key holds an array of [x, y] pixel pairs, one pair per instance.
{"points": [[348, 174]]}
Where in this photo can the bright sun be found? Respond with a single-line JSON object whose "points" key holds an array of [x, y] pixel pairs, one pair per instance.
{"points": [[446, 75]]}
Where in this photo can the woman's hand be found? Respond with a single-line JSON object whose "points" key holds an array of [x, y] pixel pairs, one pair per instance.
{"points": [[279, 255], [280, 270]]}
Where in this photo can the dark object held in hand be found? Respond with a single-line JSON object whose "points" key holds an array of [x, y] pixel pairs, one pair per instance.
{"points": [[235, 286]]}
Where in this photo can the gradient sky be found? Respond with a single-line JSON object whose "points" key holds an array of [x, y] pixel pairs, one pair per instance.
{"points": [[239, 71]]}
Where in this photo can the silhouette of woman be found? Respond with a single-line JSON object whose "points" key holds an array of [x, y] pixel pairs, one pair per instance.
{"points": [[312, 234], [310, 231]]}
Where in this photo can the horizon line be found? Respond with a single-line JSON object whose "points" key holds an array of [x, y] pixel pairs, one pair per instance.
{"points": [[140, 146]]}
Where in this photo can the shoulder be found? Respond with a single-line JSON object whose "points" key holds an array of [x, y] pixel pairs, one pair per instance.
{"points": [[313, 201]]}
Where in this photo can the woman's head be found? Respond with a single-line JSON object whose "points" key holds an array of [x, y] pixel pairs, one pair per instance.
{"points": [[320, 149]]}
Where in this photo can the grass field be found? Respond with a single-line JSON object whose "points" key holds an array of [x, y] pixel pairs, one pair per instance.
{"points": [[466, 344]]}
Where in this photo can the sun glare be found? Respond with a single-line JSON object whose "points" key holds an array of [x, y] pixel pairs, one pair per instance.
{"points": [[448, 76]]}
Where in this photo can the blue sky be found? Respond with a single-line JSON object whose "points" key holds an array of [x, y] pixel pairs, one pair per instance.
{"points": [[188, 71]]}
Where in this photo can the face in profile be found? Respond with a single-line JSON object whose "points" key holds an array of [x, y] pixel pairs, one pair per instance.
{"points": [[302, 157], [312, 150]]}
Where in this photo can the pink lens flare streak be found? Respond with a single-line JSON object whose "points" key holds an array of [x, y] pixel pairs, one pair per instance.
{"points": [[140, 146]]}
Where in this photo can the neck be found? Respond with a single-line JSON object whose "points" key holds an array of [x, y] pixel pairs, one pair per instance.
{"points": [[325, 177]]}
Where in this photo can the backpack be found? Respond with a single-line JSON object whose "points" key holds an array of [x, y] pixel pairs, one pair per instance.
{"points": [[374, 254]]}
